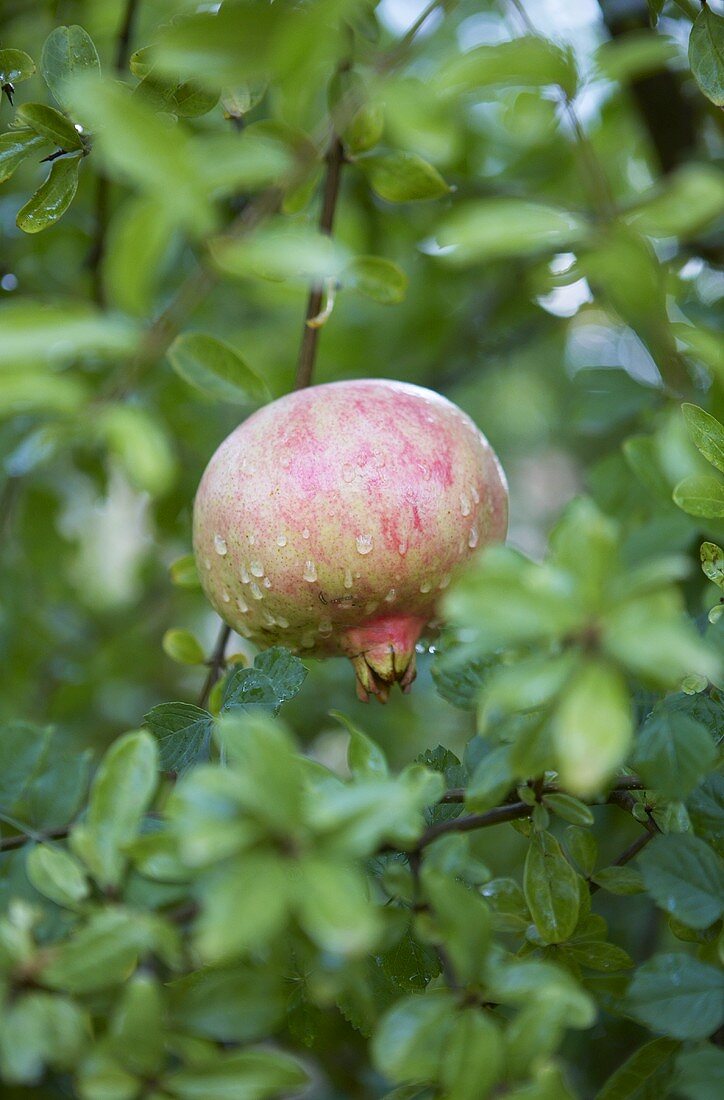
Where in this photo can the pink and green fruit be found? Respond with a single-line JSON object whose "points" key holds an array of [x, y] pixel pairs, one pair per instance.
{"points": [[332, 519]]}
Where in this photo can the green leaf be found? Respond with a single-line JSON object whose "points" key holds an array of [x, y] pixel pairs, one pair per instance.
{"points": [[599, 955], [410, 1041], [52, 125], [527, 61], [276, 677], [191, 101], [509, 909], [492, 779], [706, 433], [34, 332], [646, 1073], [183, 732], [619, 880], [592, 727], [402, 177], [551, 889], [139, 441], [98, 955], [689, 200], [706, 54], [700, 495], [569, 808], [635, 54], [138, 241], [52, 198], [241, 1075], [712, 562], [182, 646], [39, 1029], [136, 1034], [15, 146], [281, 250], [376, 278], [232, 1004], [459, 919], [121, 792], [15, 66], [183, 572], [333, 908], [365, 129], [216, 370], [700, 1073], [685, 877], [57, 875], [243, 906], [138, 147], [365, 758], [673, 752], [498, 228], [582, 846], [678, 996], [474, 1054], [67, 52]]}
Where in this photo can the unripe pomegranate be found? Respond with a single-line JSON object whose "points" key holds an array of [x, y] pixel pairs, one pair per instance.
{"points": [[330, 521]]}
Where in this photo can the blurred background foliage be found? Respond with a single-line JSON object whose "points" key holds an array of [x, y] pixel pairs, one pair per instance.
{"points": [[562, 282]]}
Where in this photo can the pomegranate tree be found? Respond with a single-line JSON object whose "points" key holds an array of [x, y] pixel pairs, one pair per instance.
{"points": [[331, 520]]}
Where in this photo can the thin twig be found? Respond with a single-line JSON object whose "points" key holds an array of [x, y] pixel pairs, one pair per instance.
{"points": [[310, 336], [11, 842], [216, 664]]}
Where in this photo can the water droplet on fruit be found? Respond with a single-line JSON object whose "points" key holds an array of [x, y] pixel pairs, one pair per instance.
{"points": [[266, 582], [445, 581], [464, 505], [475, 494], [244, 630], [285, 461], [268, 618], [348, 473], [426, 586], [473, 538], [282, 622], [251, 538], [307, 641], [370, 607], [363, 544], [256, 568], [244, 573], [325, 627], [402, 547], [225, 596], [348, 582], [310, 571], [305, 533], [256, 591], [220, 545], [391, 595], [281, 540], [242, 605], [207, 563]]}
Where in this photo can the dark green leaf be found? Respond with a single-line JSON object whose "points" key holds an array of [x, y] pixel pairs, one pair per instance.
{"points": [[706, 54], [402, 177], [673, 752], [678, 996], [700, 1073], [15, 65], [52, 198], [551, 889], [52, 125], [642, 1075], [183, 731], [67, 52], [15, 146], [685, 877]]}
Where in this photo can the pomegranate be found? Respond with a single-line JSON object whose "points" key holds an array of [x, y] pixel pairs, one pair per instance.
{"points": [[330, 521]]}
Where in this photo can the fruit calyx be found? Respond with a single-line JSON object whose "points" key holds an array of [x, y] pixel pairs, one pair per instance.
{"points": [[383, 653]]}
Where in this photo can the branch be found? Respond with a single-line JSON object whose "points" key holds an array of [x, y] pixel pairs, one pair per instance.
{"points": [[310, 336], [11, 842], [216, 664]]}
